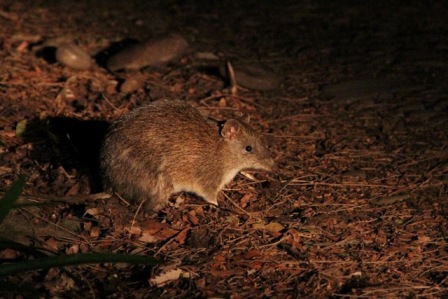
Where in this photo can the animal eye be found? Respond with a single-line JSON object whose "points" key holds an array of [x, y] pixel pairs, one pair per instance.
{"points": [[248, 148]]}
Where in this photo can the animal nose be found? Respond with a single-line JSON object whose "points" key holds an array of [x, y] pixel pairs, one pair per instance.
{"points": [[270, 165], [274, 167]]}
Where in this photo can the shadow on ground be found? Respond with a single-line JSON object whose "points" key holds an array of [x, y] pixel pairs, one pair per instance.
{"points": [[70, 143]]}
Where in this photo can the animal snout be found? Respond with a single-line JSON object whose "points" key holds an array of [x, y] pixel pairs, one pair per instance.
{"points": [[270, 165], [274, 167]]}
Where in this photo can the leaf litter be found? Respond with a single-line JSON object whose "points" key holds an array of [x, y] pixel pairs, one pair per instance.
{"points": [[357, 127]]}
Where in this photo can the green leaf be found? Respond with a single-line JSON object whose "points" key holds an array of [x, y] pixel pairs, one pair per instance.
{"points": [[10, 197], [72, 260], [21, 127], [9, 244], [2, 144]]}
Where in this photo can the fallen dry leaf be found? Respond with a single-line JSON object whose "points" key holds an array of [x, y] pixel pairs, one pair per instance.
{"points": [[162, 279], [182, 236], [273, 227]]}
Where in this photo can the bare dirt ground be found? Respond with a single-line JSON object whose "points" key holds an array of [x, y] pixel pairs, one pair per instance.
{"points": [[358, 128]]}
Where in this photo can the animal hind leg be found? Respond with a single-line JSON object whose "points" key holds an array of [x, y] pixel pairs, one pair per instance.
{"points": [[159, 194], [210, 197]]}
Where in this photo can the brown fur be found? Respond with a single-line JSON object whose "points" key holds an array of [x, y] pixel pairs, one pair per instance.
{"points": [[168, 146]]}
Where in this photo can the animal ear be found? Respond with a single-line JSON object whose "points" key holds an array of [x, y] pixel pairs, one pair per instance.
{"points": [[243, 116], [230, 128]]}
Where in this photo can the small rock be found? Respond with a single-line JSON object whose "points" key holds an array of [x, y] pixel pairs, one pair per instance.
{"points": [[73, 56], [206, 56], [356, 89], [253, 76], [354, 175], [131, 84], [154, 52]]}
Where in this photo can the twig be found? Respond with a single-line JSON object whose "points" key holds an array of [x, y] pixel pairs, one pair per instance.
{"points": [[106, 99], [237, 206], [233, 83]]}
